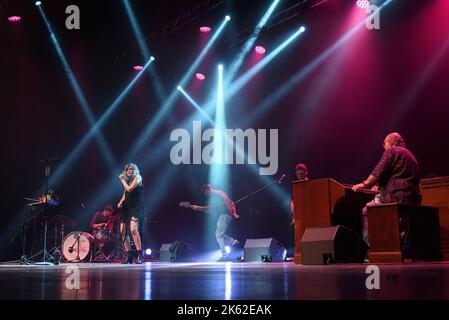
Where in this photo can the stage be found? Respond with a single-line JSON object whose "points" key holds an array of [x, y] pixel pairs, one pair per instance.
{"points": [[224, 281], [275, 131]]}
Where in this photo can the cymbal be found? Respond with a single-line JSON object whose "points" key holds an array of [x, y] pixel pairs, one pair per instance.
{"points": [[62, 220]]}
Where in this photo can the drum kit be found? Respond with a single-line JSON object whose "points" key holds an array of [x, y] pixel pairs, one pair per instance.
{"points": [[102, 245]]}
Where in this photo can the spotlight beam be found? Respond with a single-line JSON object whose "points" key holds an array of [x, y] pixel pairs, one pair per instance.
{"points": [[106, 151], [144, 49], [303, 73], [281, 195], [247, 76], [68, 162], [219, 172], [418, 85], [238, 85], [244, 79], [197, 107], [241, 81], [158, 118], [235, 66], [168, 174], [76, 152]]}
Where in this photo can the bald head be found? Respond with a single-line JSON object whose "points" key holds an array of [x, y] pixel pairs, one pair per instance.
{"points": [[393, 140]]}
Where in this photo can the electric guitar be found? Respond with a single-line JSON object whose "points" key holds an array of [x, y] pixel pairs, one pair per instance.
{"points": [[186, 204]]}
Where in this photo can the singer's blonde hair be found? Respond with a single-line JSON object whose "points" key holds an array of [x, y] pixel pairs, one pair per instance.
{"points": [[136, 171]]}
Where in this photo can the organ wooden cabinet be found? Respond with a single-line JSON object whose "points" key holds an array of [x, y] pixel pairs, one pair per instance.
{"points": [[324, 203], [435, 193]]}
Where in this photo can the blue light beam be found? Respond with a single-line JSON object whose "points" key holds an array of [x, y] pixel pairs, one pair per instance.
{"points": [[158, 118], [106, 151], [197, 107]]}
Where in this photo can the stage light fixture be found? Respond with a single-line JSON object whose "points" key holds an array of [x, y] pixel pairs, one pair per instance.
{"points": [[363, 4], [200, 76], [14, 19], [227, 249], [148, 252], [38, 3], [205, 29], [152, 58], [260, 50], [138, 68], [228, 18]]}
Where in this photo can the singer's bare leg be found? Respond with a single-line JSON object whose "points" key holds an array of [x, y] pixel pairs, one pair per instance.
{"points": [[125, 241], [134, 228]]}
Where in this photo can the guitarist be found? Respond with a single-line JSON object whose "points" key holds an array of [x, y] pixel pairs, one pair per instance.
{"points": [[224, 207]]}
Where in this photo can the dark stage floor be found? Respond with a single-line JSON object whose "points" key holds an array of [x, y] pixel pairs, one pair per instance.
{"points": [[224, 281]]}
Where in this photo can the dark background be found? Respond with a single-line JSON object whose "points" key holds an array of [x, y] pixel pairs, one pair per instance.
{"points": [[334, 120]]}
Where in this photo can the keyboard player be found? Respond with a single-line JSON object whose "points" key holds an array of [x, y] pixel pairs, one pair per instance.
{"points": [[396, 174]]}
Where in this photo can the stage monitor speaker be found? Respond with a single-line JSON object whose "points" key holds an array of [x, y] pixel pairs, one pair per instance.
{"points": [[177, 251], [336, 244], [264, 250]]}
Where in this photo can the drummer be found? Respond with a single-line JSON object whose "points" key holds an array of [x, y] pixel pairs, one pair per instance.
{"points": [[103, 219]]}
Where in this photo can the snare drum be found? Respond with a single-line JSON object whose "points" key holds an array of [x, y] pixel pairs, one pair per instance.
{"points": [[102, 235], [77, 246]]}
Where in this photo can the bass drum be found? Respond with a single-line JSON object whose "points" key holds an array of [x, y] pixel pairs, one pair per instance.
{"points": [[77, 246]]}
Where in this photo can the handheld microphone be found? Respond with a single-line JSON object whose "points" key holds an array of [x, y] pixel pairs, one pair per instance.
{"points": [[281, 178]]}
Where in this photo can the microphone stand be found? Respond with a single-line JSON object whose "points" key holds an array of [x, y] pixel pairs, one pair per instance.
{"points": [[260, 189], [70, 249], [46, 257]]}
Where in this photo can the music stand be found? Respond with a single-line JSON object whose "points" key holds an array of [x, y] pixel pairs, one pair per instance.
{"points": [[46, 257]]}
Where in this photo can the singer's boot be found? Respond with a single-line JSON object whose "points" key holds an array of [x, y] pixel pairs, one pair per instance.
{"points": [[139, 259], [129, 258]]}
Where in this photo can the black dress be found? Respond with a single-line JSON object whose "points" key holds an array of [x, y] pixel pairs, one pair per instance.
{"points": [[133, 206]]}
